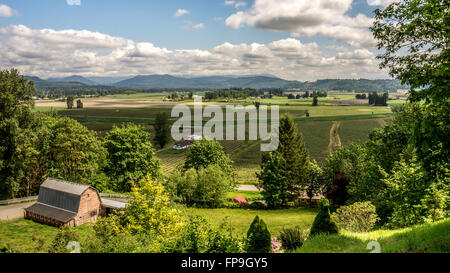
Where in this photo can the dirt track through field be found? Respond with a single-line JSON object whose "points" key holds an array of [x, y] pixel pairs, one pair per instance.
{"points": [[335, 139]]}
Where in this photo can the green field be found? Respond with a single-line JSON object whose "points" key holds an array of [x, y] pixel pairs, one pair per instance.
{"points": [[354, 122]]}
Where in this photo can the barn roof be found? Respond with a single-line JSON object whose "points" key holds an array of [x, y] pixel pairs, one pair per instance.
{"points": [[61, 194], [64, 186], [113, 204], [57, 214]]}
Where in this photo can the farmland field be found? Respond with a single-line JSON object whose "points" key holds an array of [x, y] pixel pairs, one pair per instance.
{"points": [[348, 124]]}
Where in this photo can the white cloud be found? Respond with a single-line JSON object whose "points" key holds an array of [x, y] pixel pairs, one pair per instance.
{"points": [[189, 25], [383, 3], [237, 5], [54, 53], [307, 18], [73, 2], [6, 11], [181, 12]]}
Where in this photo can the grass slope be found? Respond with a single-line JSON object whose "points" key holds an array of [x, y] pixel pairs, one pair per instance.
{"points": [[427, 238]]}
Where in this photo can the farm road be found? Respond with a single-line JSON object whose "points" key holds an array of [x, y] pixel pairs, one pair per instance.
{"points": [[13, 211]]}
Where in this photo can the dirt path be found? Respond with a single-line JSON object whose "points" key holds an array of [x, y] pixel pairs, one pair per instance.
{"points": [[13, 211], [335, 139]]}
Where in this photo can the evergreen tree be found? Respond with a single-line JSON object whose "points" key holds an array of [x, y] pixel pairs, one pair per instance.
{"points": [[273, 181], [294, 157], [258, 237], [162, 129], [69, 102], [323, 224]]}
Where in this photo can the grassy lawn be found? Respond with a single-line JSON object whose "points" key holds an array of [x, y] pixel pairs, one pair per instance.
{"points": [[241, 219], [434, 237], [28, 236]]}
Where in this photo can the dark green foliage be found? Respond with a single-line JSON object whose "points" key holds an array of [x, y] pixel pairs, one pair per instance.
{"points": [[162, 129], [15, 118], [79, 104], [130, 156], [69, 102], [208, 152], [273, 182], [258, 237], [294, 157], [292, 238], [315, 101], [323, 224]]}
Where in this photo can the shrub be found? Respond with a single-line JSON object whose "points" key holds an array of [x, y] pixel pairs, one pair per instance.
{"points": [[258, 237], [203, 187], [323, 222], [199, 237], [257, 206], [358, 217], [62, 239], [292, 238]]}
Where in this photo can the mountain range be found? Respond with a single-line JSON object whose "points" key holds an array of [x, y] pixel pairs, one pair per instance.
{"points": [[145, 82]]}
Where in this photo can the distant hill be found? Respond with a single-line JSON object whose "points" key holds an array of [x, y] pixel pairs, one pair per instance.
{"points": [[74, 78], [216, 82], [152, 82]]}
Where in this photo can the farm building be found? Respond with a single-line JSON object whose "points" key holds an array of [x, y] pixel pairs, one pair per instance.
{"points": [[63, 203]]}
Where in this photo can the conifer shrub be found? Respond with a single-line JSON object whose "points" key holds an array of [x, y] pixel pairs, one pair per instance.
{"points": [[258, 237], [323, 224]]}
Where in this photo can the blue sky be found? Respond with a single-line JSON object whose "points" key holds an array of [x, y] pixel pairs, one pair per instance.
{"points": [[207, 24]]}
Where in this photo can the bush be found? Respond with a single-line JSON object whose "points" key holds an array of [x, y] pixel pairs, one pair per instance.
{"points": [[257, 206], [358, 217], [199, 237], [258, 237], [292, 238], [203, 187], [323, 222], [62, 239]]}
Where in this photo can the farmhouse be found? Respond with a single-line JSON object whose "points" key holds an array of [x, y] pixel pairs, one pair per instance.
{"points": [[63, 203]]}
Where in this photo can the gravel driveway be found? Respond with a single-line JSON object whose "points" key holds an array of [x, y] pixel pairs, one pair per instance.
{"points": [[13, 211]]}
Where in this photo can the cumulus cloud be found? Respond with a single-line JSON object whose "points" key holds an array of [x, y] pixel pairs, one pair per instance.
{"points": [[307, 18], [73, 2], [181, 12], [6, 11], [54, 53]]}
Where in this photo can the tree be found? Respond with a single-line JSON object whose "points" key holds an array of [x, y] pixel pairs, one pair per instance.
{"points": [[273, 182], [203, 153], [258, 237], [323, 224], [75, 153], [79, 104], [206, 187], [315, 183], [69, 102], [130, 156], [162, 129], [418, 28], [315, 101], [413, 36], [294, 157], [15, 118], [149, 211]]}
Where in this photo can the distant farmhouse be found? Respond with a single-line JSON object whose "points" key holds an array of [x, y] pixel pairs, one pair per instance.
{"points": [[63, 203], [185, 143]]}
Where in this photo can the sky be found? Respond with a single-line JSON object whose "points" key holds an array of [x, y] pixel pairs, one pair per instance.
{"points": [[292, 39]]}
